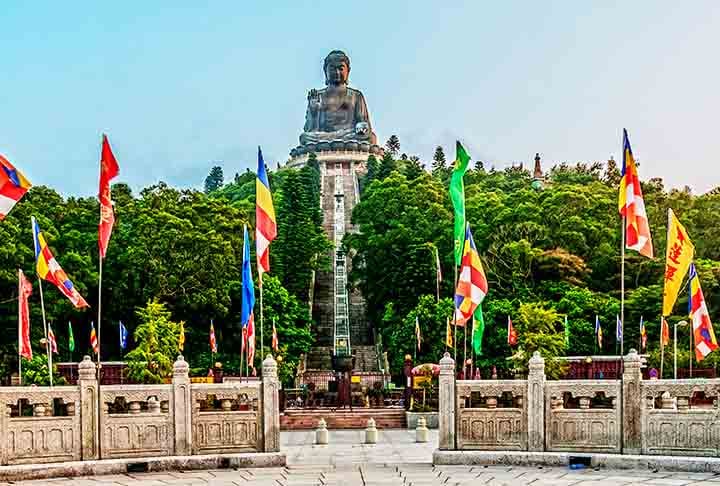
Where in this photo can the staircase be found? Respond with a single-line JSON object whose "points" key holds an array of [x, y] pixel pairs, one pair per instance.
{"points": [[307, 419]]}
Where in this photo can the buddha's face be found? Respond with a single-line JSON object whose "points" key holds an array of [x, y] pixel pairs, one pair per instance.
{"points": [[336, 72]]}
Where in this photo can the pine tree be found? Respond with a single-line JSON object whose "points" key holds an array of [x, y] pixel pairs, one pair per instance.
{"points": [[413, 168], [214, 180], [393, 145], [479, 166], [373, 168], [438, 166], [387, 165]]}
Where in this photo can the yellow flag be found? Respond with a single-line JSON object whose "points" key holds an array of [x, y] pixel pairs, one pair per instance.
{"points": [[678, 257], [448, 335], [181, 342]]}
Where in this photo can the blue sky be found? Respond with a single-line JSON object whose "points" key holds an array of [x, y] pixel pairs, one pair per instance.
{"points": [[179, 85]]}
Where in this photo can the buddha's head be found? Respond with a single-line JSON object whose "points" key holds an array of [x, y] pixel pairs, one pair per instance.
{"points": [[337, 68]]}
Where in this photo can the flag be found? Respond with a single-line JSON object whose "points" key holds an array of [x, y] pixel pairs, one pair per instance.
{"points": [[618, 329], [705, 341], [472, 285], [418, 334], [449, 334], [664, 332], [478, 330], [71, 338], [123, 335], [643, 335], [275, 343], [48, 269], [632, 206], [512, 333], [213, 341], [265, 224], [567, 333], [13, 186], [52, 342], [457, 196], [93, 339], [181, 337], [24, 291], [598, 331], [678, 257], [108, 170], [247, 315], [437, 266]]}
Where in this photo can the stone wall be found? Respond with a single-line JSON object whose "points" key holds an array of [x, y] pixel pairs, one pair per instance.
{"points": [[630, 416], [86, 422]]}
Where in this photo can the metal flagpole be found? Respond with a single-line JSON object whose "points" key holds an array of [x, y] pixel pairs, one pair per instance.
{"points": [[47, 344], [691, 348], [465, 351], [622, 293], [472, 348], [662, 345], [99, 312], [19, 327], [675, 351], [262, 324], [454, 317]]}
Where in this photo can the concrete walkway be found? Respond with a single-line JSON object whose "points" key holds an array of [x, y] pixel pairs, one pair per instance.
{"points": [[395, 461]]}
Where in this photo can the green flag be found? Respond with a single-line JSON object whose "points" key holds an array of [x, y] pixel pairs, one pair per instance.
{"points": [[478, 330], [71, 339], [567, 333], [457, 196]]}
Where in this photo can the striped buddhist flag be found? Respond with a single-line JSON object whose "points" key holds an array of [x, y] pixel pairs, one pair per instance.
{"points": [[512, 333], [418, 333], [643, 335], [705, 341], [52, 342], [472, 285], [93, 339], [49, 269], [632, 206], [13, 186], [247, 314], [213, 340], [598, 332], [265, 224], [275, 342]]}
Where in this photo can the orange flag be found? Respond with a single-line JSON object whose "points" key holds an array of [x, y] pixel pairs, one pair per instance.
{"points": [[108, 170], [24, 291]]}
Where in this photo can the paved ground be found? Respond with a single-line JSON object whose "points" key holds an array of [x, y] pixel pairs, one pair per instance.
{"points": [[395, 461]]}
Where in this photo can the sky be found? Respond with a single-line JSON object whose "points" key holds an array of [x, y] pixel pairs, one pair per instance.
{"points": [[180, 86]]}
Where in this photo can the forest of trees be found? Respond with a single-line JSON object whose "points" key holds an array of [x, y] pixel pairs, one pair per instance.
{"points": [[554, 249]]}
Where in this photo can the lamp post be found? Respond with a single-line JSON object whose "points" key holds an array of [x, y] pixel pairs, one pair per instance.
{"points": [[681, 324]]}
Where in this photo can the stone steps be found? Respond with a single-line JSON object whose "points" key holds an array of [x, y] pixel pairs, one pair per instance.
{"points": [[343, 419]]}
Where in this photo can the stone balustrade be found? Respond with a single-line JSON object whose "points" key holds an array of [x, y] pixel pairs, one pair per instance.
{"points": [[630, 416], [85, 422]]}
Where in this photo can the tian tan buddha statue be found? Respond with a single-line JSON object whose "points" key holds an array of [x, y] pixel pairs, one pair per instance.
{"points": [[336, 113]]}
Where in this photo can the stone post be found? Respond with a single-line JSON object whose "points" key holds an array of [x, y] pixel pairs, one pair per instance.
{"points": [[270, 405], [446, 398], [632, 404], [89, 412], [536, 403], [182, 407]]}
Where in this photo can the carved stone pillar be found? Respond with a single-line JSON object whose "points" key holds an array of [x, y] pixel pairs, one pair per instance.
{"points": [[536, 403], [181, 407], [270, 405], [89, 413], [632, 404], [446, 400]]}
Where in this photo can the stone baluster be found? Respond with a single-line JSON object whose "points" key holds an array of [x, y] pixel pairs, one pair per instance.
{"points": [[536, 403], [632, 404], [446, 398], [683, 404], [584, 403], [270, 405], [89, 412], [667, 401], [491, 402], [182, 407]]}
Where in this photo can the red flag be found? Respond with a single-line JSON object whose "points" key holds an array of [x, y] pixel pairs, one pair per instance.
{"points": [[275, 342], [24, 291], [512, 333], [108, 170]]}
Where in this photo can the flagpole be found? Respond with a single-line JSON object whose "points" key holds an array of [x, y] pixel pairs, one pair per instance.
{"points": [[19, 326], [662, 313], [49, 357], [465, 350], [662, 345], [454, 317], [622, 291], [472, 348], [437, 275], [262, 338], [691, 348], [47, 343]]}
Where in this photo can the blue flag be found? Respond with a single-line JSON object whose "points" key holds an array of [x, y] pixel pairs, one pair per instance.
{"points": [[123, 335], [248, 289], [618, 329]]}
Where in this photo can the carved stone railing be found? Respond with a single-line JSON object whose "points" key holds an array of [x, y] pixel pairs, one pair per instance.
{"points": [[492, 415], [40, 424], [583, 415], [226, 418], [136, 421], [64, 423], [628, 416], [681, 417]]}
